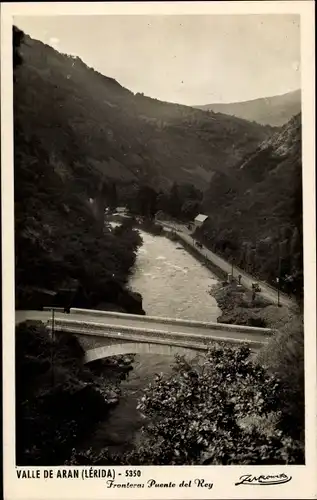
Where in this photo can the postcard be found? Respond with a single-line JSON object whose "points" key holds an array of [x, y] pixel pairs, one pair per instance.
{"points": [[159, 258]]}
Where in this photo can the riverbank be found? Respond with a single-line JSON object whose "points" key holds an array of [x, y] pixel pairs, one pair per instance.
{"points": [[238, 307], [173, 236], [120, 432], [268, 292], [90, 269], [236, 303], [59, 398]]}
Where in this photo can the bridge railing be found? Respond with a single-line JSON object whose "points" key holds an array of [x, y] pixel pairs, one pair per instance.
{"points": [[147, 335], [176, 321]]}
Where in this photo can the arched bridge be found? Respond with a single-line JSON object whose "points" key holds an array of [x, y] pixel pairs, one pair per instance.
{"points": [[104, 333]]}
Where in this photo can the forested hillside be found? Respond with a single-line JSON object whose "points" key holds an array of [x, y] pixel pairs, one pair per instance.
{"points": [[90, 123], [64, 252], [80, 137], [256, 212], [275, 111]]}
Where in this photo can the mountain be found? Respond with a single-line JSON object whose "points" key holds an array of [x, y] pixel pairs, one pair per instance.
{"points": [[78, 136], [90, 123], [256, 211], [274, 111]]}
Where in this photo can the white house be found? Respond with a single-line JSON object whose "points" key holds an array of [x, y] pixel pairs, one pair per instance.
{"points": [[200, 219]]}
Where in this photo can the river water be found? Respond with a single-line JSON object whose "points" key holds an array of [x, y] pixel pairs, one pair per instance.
{"points": [[173, 284]]}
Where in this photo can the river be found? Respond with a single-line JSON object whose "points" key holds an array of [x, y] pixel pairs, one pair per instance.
{"points": [[173, 284]]}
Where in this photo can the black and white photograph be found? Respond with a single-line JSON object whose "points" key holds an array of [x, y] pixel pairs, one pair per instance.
{"points": [[158, 241]]}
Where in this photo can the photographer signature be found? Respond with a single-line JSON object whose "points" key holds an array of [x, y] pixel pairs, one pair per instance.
{"points": [[262, 480]]}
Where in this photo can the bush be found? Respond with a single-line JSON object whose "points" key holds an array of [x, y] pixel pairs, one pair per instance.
{"points": [[222, 409], [284, 358], [258, 322], [198, 415], [58, 399]]}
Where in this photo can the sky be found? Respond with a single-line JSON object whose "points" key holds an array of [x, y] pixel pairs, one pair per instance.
{"points": [[191, 59]]}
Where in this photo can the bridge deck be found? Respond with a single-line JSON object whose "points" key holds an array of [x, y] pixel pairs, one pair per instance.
{"points": [[116, 321]]}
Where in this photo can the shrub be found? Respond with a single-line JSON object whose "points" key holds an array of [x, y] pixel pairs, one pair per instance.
{"points": [[284, 358], [258, 322], [55, 406], [222, 409], [198, 414]]}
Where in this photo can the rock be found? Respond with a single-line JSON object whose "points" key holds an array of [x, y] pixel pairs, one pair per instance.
{"points": [[128, 360], [131, 302]]}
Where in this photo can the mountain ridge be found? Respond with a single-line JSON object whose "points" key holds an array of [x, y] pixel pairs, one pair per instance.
{"points": [[272, 110], [124, 136]]}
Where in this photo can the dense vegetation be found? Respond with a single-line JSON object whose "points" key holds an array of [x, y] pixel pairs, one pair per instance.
{"points": [[62, 243], [180, 201], [90, 123], [224, 410], [58, 398], [256, 212], [284, 357]]}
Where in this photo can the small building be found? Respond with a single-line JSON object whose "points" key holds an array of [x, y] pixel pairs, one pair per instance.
{"points": [[200, 219]]}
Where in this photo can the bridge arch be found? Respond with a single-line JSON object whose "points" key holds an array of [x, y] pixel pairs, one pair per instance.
{"points": [[107, 351]]}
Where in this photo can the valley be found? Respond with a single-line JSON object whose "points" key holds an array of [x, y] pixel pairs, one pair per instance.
{"points": [[84, 147]]}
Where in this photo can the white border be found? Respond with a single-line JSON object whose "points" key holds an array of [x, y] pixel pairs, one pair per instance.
{"points": [[303, 483]]}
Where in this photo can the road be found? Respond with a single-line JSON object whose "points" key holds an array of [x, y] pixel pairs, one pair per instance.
{"points": [[144, 324], [267, 291]]}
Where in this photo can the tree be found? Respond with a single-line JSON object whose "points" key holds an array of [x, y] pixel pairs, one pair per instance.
{"points": [[174, 201], [112, 196], [221, 409], [49, 410], [18, 37], [145, 202], [190, 192], [215, 412], [283, 356], [190, 209], [295, 249]]}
